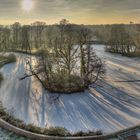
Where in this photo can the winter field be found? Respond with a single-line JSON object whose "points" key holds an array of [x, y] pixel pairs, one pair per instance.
{"points": [[111, 105]]}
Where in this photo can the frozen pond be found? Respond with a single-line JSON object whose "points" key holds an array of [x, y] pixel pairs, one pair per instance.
{"points": [[109, 107]]}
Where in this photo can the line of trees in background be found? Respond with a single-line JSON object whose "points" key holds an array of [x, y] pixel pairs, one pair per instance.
{"points": [[14, 36], [19, 37], [119, 38], [121, 41], [67, 62]]}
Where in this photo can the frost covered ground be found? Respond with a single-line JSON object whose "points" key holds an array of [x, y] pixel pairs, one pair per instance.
{"points": [[109, 107]]}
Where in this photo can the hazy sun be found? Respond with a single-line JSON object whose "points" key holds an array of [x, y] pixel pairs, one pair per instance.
{"points": [[27, 5]]}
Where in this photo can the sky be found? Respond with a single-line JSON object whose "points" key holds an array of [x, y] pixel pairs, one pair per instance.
{"points": [[76, 11]]}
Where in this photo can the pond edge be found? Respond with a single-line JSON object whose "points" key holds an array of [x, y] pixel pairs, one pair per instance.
{"points": [[36, 136]]}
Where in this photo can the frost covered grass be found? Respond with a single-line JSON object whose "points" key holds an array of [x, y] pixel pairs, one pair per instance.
{"points": [[51, 131]]}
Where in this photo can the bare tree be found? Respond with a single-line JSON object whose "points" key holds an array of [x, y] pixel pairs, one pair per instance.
{"points": [[4, 38], [68, 63], [120, 41], [25, 37], [16, 34], [38, 28], [83, 36]]}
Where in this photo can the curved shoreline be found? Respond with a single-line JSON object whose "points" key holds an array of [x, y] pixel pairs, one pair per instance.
{"points": [[36, 136]]}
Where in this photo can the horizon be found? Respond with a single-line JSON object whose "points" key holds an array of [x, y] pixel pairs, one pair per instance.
{"points": [[47, 24], [89, 12]]}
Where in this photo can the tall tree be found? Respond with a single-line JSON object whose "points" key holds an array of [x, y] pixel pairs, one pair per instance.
{"points": [[38, 28], [83, 36], [16, 34], [25, 37]]}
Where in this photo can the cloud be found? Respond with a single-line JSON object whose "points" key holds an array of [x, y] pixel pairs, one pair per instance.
{"points": [[80, 11]]}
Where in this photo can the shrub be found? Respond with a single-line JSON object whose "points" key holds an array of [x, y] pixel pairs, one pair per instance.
{"points": [[135, 54], [90, 133], [5, 59], [11, 58], [34, 129], [61, 83], [57, 131], [99, 132]]}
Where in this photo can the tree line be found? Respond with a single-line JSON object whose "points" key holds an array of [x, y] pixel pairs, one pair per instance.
{"points": [[119, 38]]}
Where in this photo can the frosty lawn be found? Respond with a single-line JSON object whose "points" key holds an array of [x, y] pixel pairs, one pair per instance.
{"points": [[109, 106]]}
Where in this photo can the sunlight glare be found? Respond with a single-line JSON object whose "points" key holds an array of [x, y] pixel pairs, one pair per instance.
{"points": [[27, 5]]}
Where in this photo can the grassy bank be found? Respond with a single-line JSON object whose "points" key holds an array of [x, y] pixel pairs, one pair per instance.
{"points": [[1, 78], [33, 51], [131, 54], [5, 59], [52, 131], [135, 54]]}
